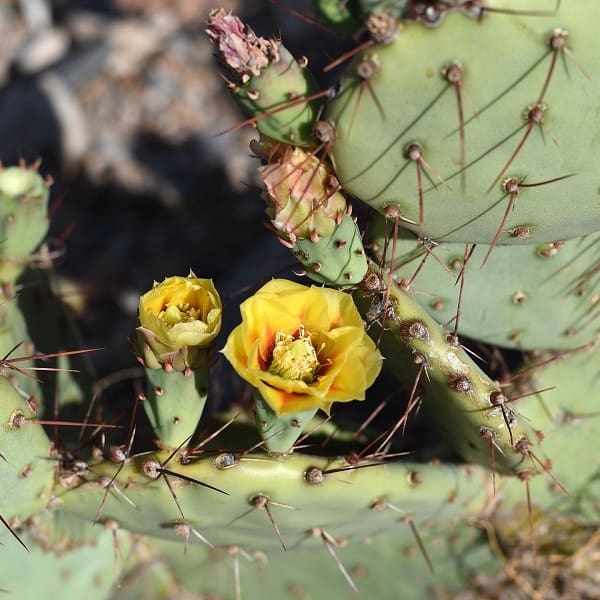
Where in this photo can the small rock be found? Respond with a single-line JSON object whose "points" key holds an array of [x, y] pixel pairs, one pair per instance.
{"points": [[44, 48]]}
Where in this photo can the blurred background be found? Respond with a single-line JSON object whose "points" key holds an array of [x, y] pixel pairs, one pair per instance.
{"points": [[121, 100]]}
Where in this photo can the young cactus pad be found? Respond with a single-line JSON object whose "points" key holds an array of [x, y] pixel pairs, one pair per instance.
{"points": [[23, 218], [268, 82], [337, 259]]}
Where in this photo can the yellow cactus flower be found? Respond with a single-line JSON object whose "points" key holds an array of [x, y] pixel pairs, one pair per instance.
{"points": [[303, 347], [179, 313]]}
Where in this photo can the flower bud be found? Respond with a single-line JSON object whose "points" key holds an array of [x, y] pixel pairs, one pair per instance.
{"points": [[302, 195], [179, 319]]}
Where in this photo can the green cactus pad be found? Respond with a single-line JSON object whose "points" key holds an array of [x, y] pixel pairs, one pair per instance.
{"points": [[528, 113], [279, 433], [15, 342], [23, 218], [337, 259], [175, 401], [386, 566], [302, 492], [569, 415], [26, 466], [51, 329], [90, 571], [502, 302], [278, 86], [119, 566]]}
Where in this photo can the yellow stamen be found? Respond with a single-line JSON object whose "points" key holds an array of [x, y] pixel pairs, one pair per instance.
{"points": [[178, 313], [294, 357]]}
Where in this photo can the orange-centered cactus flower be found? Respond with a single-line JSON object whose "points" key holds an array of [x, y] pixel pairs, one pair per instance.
{"points": [[303, 348], [177, 316]]}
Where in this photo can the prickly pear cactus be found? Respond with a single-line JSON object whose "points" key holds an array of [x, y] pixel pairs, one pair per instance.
{"points": [[469, 127]]}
